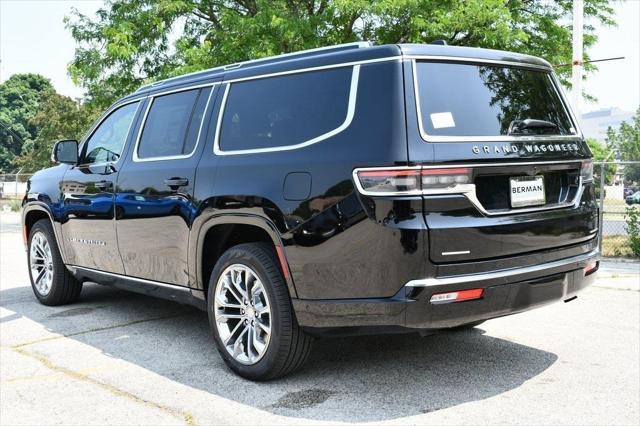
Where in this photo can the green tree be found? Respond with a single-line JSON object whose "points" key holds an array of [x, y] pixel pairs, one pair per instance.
{"points": [[20, 98], [600, 153], [131, 42], [59, 117], [626, 141]]}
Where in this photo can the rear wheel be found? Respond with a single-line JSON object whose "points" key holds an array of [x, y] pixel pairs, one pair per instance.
{"points": [[51, 282], [251, 316]]}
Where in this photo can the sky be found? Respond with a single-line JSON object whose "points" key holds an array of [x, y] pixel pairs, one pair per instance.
{"points": [[33, 39]]}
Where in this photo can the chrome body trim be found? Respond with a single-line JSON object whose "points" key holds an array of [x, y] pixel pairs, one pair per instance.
{"points": [[469, 189], [462, 279], [152, 97], [455, 253], [504, 138], [353, 94], [126, 277]]}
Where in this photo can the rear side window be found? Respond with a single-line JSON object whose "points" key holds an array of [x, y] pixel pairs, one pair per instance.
{"points": [[167, 125], [486, 100], [282, 111]]}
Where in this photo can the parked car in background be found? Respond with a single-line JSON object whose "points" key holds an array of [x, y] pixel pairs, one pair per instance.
{"points": [[633, 199], [344, 190]]}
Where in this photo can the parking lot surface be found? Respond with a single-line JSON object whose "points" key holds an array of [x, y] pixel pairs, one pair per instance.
{"points": [[121, 358]]}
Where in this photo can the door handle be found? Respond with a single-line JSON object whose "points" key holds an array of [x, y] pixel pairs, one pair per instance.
{"points": [[104, 184], [175, 183]]}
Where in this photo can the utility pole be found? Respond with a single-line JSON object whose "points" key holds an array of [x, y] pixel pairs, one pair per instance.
{"points": [[578, 16]]}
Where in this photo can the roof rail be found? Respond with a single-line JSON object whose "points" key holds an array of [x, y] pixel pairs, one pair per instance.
{"points": [[326, 49]]}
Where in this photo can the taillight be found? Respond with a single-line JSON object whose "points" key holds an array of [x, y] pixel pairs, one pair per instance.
{"points": [[410, 181], [586, 171], [444, 178], [390, 181]]}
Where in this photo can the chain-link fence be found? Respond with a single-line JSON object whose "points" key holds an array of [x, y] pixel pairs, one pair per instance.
{"points": [[619, 197], [13, 185]]}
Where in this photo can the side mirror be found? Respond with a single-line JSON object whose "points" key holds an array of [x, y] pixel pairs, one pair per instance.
{"points": [[65, 151]]}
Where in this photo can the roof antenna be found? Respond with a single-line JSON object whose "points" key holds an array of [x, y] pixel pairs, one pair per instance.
{"points": [[439, 42]]}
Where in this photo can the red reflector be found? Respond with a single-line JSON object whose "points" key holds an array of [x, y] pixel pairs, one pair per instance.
{"points": [[591, 267], [457, 296], [283, 262]]}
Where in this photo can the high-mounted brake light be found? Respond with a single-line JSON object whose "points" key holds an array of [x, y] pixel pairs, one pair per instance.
{"points": [[586, 171], [457, 296], [411, 181]]}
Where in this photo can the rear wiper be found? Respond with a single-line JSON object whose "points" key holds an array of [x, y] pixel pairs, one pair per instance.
{"points": [[519, 127]]}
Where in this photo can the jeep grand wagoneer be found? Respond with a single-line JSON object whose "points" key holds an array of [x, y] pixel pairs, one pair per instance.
{"points": [[350, 189]]}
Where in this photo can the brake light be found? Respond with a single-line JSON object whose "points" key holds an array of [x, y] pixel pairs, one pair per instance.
{"points": [[390, 181], [586, 171], [457, 296], [410, 180]]}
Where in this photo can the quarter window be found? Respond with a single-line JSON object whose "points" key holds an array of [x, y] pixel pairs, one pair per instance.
{"points": [[106, 142], [283, 111], [167, 125]]}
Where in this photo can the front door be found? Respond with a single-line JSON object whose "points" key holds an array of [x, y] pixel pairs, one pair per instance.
{"points": [[88, 228], [154, 201]]}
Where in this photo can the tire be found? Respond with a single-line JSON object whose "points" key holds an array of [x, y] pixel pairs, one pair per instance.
{"points": [[287, 346], [56, 286]]}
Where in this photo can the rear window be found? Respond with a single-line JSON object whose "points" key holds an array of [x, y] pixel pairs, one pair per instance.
{"points": [[284, 111], [487, 100]]}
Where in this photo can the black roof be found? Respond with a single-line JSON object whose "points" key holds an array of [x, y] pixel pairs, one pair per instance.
{"points": [[345, 53]]}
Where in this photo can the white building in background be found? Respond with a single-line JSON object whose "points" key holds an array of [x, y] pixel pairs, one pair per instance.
{"points": [[594, 124]]}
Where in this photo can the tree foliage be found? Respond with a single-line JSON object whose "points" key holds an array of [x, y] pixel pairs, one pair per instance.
{"points": [[20, 98], [131, 42], [626, 142], [59, 117], [600, 153]]}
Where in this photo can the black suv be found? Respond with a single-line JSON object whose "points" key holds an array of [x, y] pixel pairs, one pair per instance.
{"points": [[349, 189]]}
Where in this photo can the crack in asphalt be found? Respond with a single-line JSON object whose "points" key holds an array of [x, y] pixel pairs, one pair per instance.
{"points": [[185, 416], [95, 330]]}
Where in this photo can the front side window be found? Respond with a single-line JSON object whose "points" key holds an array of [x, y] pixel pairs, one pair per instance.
{"points": [[106, 142], [487, 100], [167, 125], [284, 111]]}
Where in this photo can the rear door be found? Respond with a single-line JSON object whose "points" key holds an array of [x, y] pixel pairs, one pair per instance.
{"points": [[506, 169], [154, 200]]}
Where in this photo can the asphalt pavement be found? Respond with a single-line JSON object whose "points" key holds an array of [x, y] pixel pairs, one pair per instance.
{"points": [[121, 358]]}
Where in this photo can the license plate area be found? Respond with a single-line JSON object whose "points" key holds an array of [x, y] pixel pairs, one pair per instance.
{"points": [[526, 191]]}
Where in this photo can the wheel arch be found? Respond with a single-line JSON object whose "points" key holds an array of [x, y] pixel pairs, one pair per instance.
{"points": [[32, 213], [221, 232]]}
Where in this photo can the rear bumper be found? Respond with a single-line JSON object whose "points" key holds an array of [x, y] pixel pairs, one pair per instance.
{"points": [[506, 292]]}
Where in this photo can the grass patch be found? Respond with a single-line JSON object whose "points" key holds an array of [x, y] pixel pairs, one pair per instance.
{"points": [[617, 246], [11, 205]]}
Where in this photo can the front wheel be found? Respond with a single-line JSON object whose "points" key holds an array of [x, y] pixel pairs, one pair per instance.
{"points": [[52, 283], [251, 316]]}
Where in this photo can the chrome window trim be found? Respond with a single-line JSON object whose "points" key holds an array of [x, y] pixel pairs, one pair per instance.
{"points": [[484, 276], [353, 94], [99, 122], [469, 190], [498, 138], [152, 97]]}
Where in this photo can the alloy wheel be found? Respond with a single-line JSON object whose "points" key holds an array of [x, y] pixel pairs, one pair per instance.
{"points": [[242, 314]]}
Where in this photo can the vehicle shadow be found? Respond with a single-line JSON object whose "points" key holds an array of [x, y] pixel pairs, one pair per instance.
{"points": [[346, 379]]}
